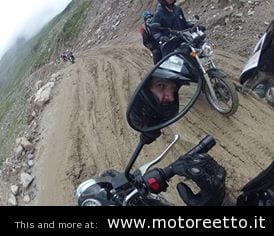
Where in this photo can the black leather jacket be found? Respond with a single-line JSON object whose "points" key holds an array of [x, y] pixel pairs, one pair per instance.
{"points": [[174, 20]]}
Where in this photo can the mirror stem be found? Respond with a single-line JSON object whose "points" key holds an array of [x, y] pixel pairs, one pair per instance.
{"points": [[133, 159]]}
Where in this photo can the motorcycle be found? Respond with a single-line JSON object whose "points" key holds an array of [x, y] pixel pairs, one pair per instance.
{"points": [[71, 58], [145, 186], [218, 88], [68, 56], [257, 74]]}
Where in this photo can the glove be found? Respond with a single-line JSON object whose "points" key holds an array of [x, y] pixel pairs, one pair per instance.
{"points": [[186, 36], [163, 39], [202, 28], [149, 137], [207, 174]]}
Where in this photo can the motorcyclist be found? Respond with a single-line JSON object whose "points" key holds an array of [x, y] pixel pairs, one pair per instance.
{"points": [[260, 190], [64, 56], [267, 63], [69, 53], [169, 16], [262, 83]]}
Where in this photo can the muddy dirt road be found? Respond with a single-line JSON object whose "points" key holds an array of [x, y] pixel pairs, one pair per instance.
{"points": [[84, 129]]}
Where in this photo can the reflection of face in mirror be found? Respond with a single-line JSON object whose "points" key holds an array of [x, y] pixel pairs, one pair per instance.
{"points": [[164, 90], [165, 95], [155, 103]]}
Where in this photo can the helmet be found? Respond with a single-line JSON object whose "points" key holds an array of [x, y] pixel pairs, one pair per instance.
{"points": [[147, 14], [169, 75], [164, 3], [270, 95], [176, 69]]}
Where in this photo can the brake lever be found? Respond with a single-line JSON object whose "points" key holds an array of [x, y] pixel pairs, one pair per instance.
{"points": [[143, 169]]}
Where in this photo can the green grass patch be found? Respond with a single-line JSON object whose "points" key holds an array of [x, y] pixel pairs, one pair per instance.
{"points": [[5, 106], [73, 25]]}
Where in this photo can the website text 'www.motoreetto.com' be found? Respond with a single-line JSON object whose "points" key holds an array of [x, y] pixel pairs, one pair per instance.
{"points": [[230, 223]]}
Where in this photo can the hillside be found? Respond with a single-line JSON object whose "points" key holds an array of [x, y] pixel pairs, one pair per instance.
{"points": [[83, 129], [27, 57]]}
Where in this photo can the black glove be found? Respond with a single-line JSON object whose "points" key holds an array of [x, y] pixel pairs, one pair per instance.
{"points": [[202, 28], [186, 36], [207, 174], [149, 137], [189, 25], [163, 39]]}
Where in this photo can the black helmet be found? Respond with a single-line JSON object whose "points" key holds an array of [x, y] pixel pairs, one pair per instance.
{"points": [[165, 4], [177, 68], [178, 79]]}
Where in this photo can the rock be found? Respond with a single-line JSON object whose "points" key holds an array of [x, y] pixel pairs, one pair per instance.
{"points": [[24, 143], [14, 189], [26, 179], [250, 12], [30, 156], [18, 151], [30, 163], [33, 114], [26, 198], [38, 84], [55, 76], [43, 95], [12, 200], [239, 14]]}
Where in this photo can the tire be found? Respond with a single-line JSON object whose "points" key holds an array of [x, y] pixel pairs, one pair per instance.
{"points": [[225, 92]]}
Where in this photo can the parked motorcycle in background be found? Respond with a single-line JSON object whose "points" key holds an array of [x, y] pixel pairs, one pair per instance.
{"points": [[71, 58], [68, 56], [198, 52]]}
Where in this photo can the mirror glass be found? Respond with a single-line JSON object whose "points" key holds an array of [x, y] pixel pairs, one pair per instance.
{"points": [[165, 95]]}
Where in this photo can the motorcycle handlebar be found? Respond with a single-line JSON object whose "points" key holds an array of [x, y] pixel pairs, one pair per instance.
{"points": [[156, 179], [202, 147]]}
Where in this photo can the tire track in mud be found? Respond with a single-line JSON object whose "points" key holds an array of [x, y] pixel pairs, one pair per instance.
{"points": [[105, 83], [80, 161], [98, 136]]}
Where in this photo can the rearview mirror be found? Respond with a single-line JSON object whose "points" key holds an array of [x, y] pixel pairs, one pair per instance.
{"points": [[165, 95]]}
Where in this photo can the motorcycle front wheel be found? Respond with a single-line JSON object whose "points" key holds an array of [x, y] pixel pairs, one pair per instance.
{"points": [[227, 98]]}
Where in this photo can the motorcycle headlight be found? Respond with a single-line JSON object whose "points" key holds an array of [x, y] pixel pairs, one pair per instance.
{"points": [[93, 192], [91, 202], [207, 50]]}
